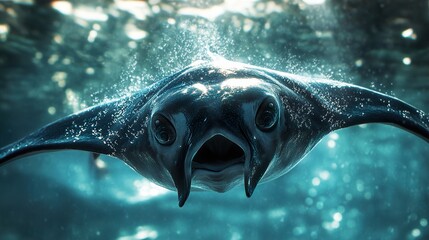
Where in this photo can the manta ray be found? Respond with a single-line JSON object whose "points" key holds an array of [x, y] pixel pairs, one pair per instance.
{"points": [[218, 124]]}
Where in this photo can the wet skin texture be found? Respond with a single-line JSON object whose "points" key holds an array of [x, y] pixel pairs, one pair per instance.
{"points": [[215, 124]]}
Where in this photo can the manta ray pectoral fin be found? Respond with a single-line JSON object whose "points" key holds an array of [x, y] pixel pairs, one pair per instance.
{"points": [[95, 130], [343, 105]]}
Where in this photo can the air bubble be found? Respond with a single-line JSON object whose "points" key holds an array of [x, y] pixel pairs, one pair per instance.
{"points": [[409, 33], [406, 60], [331, 144], [359, 63], [423, 222], [337, 217], [315, 181], [416, 232], [324, 175], [52, 110]]}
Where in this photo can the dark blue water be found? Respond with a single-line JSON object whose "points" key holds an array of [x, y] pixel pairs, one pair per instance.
{"points": [[365, 182]]}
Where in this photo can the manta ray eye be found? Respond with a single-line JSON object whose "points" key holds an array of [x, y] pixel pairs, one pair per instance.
{"points": [[267, 115], [165, 133]]}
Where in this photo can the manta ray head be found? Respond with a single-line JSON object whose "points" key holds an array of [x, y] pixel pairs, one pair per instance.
{"points": [[216, 134]]}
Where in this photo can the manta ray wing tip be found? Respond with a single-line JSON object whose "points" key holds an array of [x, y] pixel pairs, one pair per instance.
{"points": [[182, 199], [248, 186]]}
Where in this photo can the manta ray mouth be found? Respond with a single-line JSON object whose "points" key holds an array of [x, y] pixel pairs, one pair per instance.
{"points": [[217, 154]]}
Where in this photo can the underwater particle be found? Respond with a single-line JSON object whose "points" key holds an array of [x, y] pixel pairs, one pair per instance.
{"points": [[327, 225], [236, 236], [72, 100], [156, 9], [52, 110], [267, 25], [415, 232], [312, 192], [96, 27], [367, 195], [423, 222], [348, 196], [146, 190], [100, 164], [299, 230], [53, 59], [58, 39], [92, 35], [412, 217], [171, 21], [278, 213], [391, 230], [409, 33], [337, 217], [346, 178], [83, 105], [60, 78], [4, 31], [359, 185], [133, 32], [406, 60], [38, 55], [314, 234], [324, 175], [323, 34], [331, 225], [315, 181], [334, 136], [11, 12], [320, 205], [168, 8], [132, 44], [335, 224], [89, 71], [248, 24], [66, 61], [359, 62], [309, 201], [146, 232], [331, 143], [64, 7]]}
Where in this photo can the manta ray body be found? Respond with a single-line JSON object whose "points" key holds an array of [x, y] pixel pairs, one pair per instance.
{"points": [[217, 124]]}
